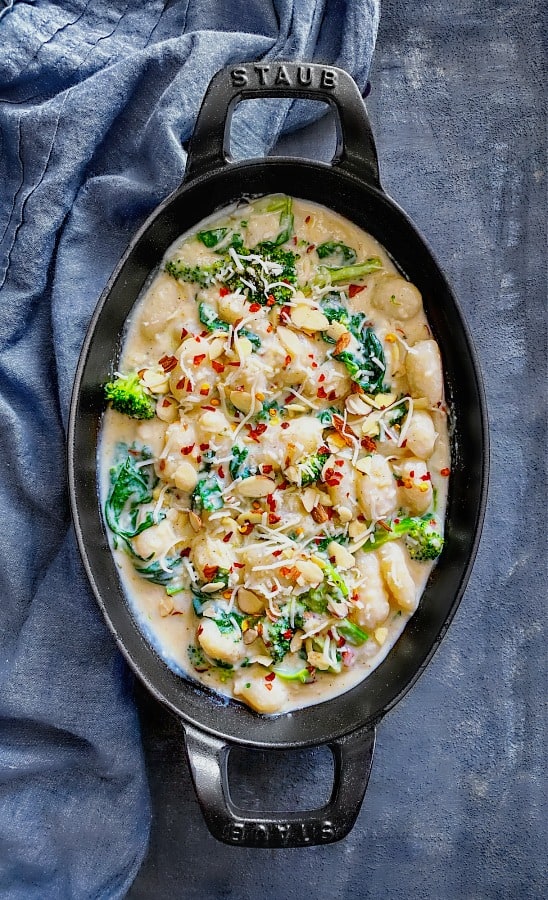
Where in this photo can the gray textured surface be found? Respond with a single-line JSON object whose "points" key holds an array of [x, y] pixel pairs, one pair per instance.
{"points": [[454, 808]]}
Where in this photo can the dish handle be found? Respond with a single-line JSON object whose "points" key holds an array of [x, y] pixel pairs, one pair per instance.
{"points": [[208, 759], [209, 145]]}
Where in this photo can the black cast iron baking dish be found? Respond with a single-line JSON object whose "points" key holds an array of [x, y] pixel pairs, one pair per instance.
{"points": [[350, 185]]}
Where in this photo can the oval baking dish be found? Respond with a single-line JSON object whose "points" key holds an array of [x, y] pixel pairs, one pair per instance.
{"points": [[350, 186]]}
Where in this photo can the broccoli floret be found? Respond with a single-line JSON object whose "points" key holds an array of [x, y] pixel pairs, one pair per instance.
{"points": [[202, 275], [421, 534], [310, 468], [346, 274], [127, 395], [332, 586], [277, 635]]}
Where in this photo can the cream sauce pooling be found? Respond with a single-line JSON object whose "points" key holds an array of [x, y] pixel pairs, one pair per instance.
{"points": [[386, 583]]}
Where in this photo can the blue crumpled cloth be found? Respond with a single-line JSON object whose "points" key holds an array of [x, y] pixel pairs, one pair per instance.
{"points": [[96, 100]]}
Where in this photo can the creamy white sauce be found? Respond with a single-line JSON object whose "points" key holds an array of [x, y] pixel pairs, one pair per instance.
{"points": [[154, 332]]}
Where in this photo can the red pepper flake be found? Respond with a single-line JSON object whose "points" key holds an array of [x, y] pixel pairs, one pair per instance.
{"points": [[288, 634], [285, 314], [185, 552], [254, 307], [209, 408], [270, 328], [162, 465], [239, 565], [181, 384], [184, 333], [396, 521], [332, 395], [186, 450], [270, 677], [368, 444], [445, 472], [166, 402], [168, 363], [198, 359], [307, 220], [200, 629], [235, 364], [321, 393], [412, 473], [227, 537], [295, 239], [268, 685], [323, 449], [270, 502], [404, 443], [271, 300], [217, 366], [198, 459], [204, 446], [425, 477], [210, 571], [355, 289], [277, 552], [322, 377], [273, 519], [286, 425], [339, 462], [266, 469], [310, 248], [314, 365], [282, 485], [223, 291], [287, 361], [255, 433]]}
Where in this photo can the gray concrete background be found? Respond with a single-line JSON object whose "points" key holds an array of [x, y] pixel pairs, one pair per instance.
{"points": [[456, 803]]}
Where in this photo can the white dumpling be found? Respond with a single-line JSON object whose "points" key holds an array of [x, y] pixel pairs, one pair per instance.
{"points": [[156, 540], [397, 576], [264, 696], [396, 297], [415, 487], [225, 646], [421, 434], [424, 372], [376, 487], [209, 551], [372, 594]]}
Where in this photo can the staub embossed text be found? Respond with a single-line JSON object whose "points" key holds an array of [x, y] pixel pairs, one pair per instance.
{"points": [[263, 74]]}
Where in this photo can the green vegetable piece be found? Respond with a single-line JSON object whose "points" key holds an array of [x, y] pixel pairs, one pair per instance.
{"points": [[422, 537], [352, 633], [207, 494], [236, 467], [346, 274], [212, 322], [212, 238], [322, 545], [366, 365], [197, 659], [131, 488], [326, 415], [310, 468], [316, 598], [155, 573], [277, 635], [336, 248], [294, 668], [127, 396], [202, 275], [285, 205], [332, 587]]}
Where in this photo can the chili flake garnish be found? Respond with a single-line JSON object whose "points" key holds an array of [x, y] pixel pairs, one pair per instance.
{"points": [[210, 571], [223, 291], [355, 289], [168, 363], [227, 537], [445, 472], [217, 366], [255, 433]]}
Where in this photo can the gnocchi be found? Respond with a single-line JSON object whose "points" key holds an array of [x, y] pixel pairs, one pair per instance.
{"points": [[277, 510]]}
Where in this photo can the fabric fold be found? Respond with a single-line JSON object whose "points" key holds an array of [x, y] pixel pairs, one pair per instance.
{"points": [[97, 101]]}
